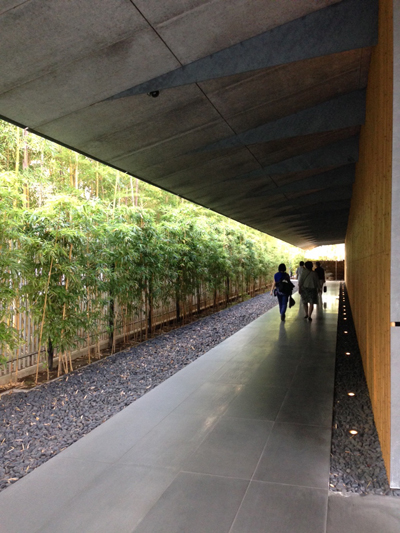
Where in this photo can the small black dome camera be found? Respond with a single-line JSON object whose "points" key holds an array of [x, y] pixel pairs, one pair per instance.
{"points": [[154, 94]]}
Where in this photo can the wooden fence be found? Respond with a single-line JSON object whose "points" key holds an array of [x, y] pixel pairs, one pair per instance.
{"points": [[137, 327]]}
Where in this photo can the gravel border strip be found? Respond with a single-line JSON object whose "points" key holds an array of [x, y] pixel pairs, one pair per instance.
{"points": [[38, 424], [356, 460]]}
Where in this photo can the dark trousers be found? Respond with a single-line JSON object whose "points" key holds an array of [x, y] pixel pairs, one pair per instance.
{"points": [[283, 301]]}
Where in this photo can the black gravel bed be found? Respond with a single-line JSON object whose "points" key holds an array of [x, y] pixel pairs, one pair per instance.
{"points": [[356, 460], [40, 423]]}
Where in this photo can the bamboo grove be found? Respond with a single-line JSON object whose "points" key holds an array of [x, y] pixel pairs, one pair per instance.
{"points": [[85, 247]]}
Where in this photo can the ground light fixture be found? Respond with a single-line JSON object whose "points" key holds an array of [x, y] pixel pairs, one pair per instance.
{"points": [[353, 432], [351, 394], [345, 331], [348, 353]]}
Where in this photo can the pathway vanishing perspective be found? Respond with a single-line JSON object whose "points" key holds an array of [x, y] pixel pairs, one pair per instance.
{"points": [[236, 442]]}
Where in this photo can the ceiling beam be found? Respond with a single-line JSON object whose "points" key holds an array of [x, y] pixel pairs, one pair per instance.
{"points": [[347, 25]]}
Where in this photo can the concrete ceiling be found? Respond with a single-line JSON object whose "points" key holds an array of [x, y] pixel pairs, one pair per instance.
{"points": [[259, 103]]}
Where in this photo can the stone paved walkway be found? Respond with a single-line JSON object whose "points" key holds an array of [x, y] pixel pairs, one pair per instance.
{"points": [[237, 442]]}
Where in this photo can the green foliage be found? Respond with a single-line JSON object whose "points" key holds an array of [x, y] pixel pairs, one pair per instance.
{"points": [[77, 236]]}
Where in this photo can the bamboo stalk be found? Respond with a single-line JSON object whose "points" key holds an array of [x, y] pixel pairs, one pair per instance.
{"points": [[70, 360], [76, 170], [62, 358], [97, 179], [114, 335], [88, 313], [132, 193], [137, 192], [17, 327], [71, 174], [42, 323], [25, 163], [17, 152], [115, 189]]}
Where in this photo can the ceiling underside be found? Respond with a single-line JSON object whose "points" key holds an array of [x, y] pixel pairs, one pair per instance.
{"points": [[259, 108]]}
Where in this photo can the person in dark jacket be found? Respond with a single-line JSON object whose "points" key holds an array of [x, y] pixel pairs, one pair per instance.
{"points": [[321, 275], [282, 288]]}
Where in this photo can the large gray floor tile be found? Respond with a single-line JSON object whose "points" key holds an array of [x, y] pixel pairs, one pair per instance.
{"points": [[259, 402], [281, 362], [237, 372], [221, 352], [273, 508], [195, 503], [211, 399], [312, 407], [169, 394], [109, 443], [238, 340], [198, 370], [370, 514], [296, 455], [27, 505], [256, 353], [325, 360], [114, 502], [171, 441], [272, 379], [232, 449], [313, 377]]}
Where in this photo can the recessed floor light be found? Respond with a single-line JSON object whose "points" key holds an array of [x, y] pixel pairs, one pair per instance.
{"points": [[351, 394], [345, 331], [353, 431], [348, 353]]}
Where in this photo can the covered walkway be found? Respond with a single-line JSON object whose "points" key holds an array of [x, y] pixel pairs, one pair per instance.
{"points": [[238, 441]]}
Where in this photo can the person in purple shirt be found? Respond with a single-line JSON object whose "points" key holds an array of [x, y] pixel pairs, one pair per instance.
{"points": [[282, 288]]}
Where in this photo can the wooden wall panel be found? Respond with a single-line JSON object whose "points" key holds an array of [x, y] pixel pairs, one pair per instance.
{"points": [[368, 234]]}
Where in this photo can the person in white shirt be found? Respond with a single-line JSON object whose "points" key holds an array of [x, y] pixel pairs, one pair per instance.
{"points": [[308, 289], [299, 269]]}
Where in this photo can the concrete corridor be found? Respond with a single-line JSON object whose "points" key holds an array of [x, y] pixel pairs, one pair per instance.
{"points": [[237, 442]]}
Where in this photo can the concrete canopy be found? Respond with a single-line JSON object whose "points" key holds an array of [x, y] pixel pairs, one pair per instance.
{"points": [[259, 103]]}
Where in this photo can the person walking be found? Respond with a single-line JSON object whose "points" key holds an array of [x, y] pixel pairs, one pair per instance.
{"points": [[282, 288], [299, 269], [308, 289], [321, 275]]}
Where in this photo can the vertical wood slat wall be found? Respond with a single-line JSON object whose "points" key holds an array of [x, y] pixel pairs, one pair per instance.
{"points": [[368, 234]]}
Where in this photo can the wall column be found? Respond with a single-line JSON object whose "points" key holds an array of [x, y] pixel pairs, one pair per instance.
{"points": [[368, 238], [395, 259]]}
